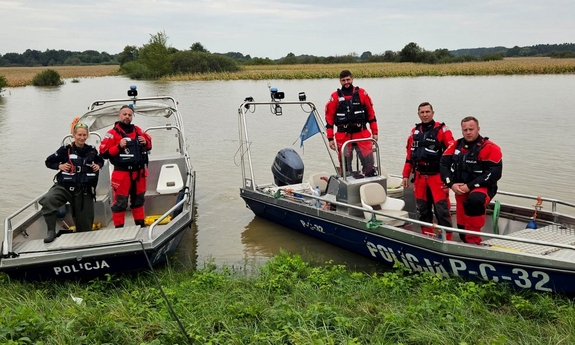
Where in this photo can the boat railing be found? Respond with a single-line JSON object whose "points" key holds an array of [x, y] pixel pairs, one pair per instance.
{"points": [[244, 152], [71, 138], [181, 138], [554, 202], [100, 103], [9, 230], [166, 214], [349, 143], [445, 229]]}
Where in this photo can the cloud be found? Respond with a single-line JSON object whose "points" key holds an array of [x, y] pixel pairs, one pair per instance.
{"points": [[275, 28]]}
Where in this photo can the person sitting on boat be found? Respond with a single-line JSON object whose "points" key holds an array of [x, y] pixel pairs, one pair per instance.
{"points": [[425, 145], [127, 146], [78, 164], [471, 167], [350, 110]]}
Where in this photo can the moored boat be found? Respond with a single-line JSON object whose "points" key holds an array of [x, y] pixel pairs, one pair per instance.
{"points": [[527, 241], [169, 204]]}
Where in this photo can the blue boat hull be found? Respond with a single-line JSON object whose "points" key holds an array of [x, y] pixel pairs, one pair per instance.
{"points": [[415, 256]]}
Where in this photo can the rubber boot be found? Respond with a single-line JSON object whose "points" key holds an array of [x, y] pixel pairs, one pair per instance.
{"points": [[51, 236], [141, 223], [120, 226]]}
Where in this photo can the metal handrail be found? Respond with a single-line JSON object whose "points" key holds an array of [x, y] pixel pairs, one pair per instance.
{"points": [[445, 228]]}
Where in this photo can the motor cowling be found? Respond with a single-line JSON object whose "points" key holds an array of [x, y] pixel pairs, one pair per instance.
{"points": [[287, 167]]}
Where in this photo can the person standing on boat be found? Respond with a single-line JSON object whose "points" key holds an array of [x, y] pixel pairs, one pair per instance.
{"points": [[127, 146], [350, 111], [78, 165], [425, 145], [471, 167]]}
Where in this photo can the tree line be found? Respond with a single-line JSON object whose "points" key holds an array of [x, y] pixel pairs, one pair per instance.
{"points": [[157, 58]]}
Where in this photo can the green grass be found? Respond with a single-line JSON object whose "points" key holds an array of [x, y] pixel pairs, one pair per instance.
{"points": [[288, 302]]}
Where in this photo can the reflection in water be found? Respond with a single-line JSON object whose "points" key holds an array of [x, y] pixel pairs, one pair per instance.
{"points": [[187, 253], [263, 239]]}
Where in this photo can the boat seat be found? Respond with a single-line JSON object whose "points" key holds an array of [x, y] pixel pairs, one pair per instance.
{"points": [[394, 184], [170, 179], [319, 179], [374, 197]]}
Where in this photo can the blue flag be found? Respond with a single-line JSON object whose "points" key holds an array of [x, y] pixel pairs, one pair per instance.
{"points": [[309, 129]]}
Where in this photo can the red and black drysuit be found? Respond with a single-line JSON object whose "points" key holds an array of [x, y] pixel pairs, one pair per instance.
{"points": [[425, 145], [349, 110], [130, 170], [479, 165]]}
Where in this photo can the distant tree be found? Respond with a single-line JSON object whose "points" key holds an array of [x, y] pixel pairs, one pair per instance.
{"points": [[190, 62], [443, 55], [289, 59], [390, 56], [198, 47], [365, 56], [410, 53], [32, 57], [129, 53], [155, 56]]}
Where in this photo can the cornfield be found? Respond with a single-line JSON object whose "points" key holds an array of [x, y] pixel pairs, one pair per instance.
{"points": [[21, 76], [509, 66]]}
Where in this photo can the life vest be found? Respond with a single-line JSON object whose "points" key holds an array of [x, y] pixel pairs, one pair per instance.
{"points": [[425, 146], [466, 165], [350, 115], [81, 174], [133, 156]]}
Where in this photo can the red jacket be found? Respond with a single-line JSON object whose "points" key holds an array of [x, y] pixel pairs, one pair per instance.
{"points": [[332, 104], [110, 144]]}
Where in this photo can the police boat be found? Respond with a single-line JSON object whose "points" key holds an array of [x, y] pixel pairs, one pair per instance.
{"points": [[169, 205], [528, 241]]}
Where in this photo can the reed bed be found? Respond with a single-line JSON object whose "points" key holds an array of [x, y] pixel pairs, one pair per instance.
{"points": [[22, 76], [510, 66]]}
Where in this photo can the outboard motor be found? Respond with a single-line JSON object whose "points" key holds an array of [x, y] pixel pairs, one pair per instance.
{"points": [[287, 167]]}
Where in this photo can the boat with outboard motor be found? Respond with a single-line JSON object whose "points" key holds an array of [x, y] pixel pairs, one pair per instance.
{"points": [[528, 241], [169, 202]]}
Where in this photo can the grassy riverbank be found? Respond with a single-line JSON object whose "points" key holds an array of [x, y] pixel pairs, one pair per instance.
{"points": [[289, 302], [20, 76]]}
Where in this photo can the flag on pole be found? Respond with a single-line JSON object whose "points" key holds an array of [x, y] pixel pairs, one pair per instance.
{"points": [[309, 129]]}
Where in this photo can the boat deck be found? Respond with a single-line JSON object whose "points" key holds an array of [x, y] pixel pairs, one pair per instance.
{"points": [[80, 240], [550, 233]]}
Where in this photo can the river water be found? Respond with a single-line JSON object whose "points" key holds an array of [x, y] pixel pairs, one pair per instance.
{"points": [[530, 117]]}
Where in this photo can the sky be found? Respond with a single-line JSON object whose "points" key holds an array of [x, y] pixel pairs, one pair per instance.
{"points": [[274, 29]]}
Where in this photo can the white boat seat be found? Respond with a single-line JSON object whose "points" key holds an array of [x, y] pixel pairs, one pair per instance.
{"points": [[319, 179], [170, 179], [374, 197], [394, 184]]}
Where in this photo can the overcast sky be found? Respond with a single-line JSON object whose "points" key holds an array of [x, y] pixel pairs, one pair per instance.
{"points": [[275, 28]]}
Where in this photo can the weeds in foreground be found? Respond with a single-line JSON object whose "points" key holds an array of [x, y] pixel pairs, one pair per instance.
{"points": [[288, 302]]}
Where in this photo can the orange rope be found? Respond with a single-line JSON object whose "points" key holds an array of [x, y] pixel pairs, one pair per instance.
{"points": [[537, 206]]}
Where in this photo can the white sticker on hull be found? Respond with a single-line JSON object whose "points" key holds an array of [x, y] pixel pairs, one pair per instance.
{"points": [[81, 266], [519, 277]]}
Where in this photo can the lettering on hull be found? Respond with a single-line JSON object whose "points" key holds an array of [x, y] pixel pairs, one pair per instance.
{"points": [[519, 277], [80, 267]]}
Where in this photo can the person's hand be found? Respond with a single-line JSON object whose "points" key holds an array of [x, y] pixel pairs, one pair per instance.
{"points": [[65, 167], [375, 137], [95, 167], [142, 141], [460, 188], [332, 145], [123, 143], [405, 182]]}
